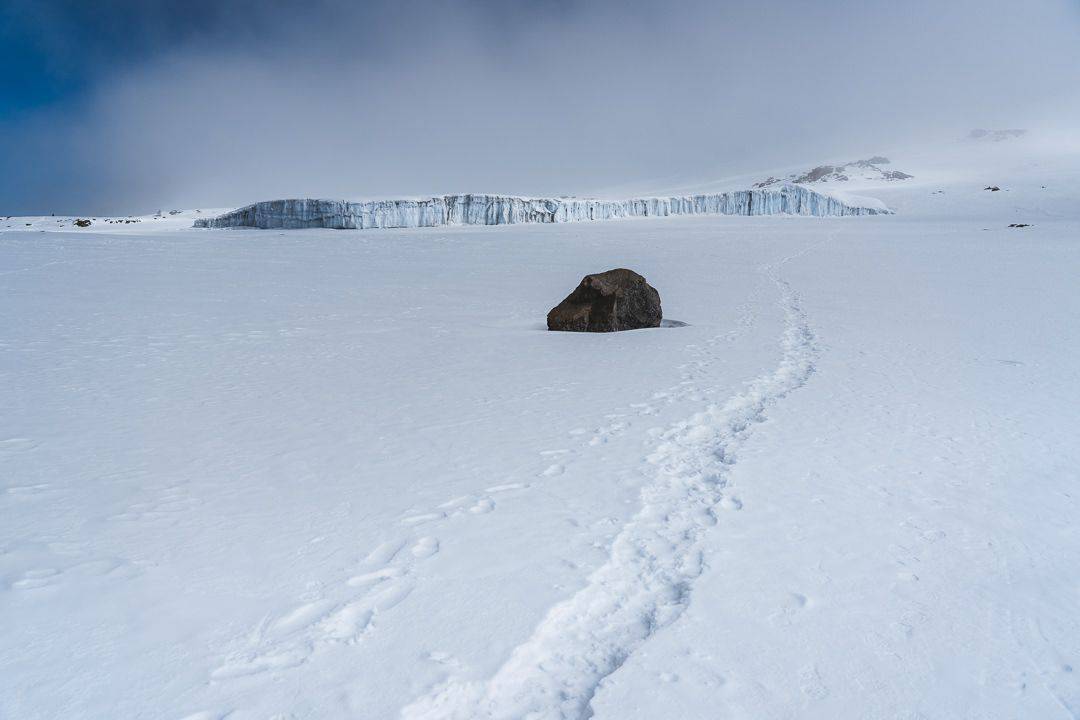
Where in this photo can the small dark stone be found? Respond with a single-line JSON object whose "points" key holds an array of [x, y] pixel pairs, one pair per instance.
{"points": [[606, 302], [82, 222], [992, 188]]}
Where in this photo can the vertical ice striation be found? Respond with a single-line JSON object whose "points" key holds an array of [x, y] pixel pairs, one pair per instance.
{"points": [[479, 209]]}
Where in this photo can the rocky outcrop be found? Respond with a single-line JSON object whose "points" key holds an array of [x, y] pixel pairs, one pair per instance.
{"points": [[996, 135], [509, 210], [867, 169], [607, 302]]}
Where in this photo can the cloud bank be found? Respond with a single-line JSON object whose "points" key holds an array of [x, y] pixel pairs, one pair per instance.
{"points": [[219, 104]]}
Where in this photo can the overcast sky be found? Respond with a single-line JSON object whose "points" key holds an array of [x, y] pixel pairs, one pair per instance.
{"points": [[132, 106]]}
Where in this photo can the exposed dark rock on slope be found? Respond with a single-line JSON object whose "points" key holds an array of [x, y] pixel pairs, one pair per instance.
{"points": [[868, 169], [606, 302]]}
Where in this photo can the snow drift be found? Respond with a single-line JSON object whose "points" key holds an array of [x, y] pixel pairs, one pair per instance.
{"points": [[482, 209]]}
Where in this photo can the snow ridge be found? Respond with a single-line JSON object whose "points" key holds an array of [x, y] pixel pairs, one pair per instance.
{"points": [[646, 582], [473, 209]]}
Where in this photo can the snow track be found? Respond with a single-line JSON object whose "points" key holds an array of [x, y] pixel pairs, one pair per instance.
{"points": [[645, 584]]}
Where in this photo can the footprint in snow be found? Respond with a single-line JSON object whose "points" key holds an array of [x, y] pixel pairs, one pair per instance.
{"points": [[346, 615], [455, 503], [384, 553], [476, 505], [730, 502], [375, 576], [425, 547], [482, 506], [423, 518], [289, 640], [506, 487], [559, 451], [553, 470]]}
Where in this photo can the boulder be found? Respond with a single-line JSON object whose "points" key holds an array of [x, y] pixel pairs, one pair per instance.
{"points": [[606, 302]]}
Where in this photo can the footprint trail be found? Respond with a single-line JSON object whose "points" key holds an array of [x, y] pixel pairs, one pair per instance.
{"points": [[645, 583]]}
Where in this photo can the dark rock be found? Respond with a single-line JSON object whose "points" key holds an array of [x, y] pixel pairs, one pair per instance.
{"points": [[867, 169], [1019, 225], [819, 173], [82, 222], [996, 135], [767, 182], [606, 302], [992, 188]]}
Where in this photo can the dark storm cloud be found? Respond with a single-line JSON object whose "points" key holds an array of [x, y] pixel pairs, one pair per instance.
{"points": [[204, 104]]}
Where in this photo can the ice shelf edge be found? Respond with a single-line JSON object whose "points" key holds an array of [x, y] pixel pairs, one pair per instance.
{"points": [[484, 209]]}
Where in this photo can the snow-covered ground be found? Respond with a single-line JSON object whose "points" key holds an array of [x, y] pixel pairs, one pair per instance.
{"points": [[338, 474]]}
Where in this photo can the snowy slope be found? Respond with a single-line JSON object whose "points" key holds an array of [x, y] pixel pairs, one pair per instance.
{"points": [[869, 169], [324, 474]]}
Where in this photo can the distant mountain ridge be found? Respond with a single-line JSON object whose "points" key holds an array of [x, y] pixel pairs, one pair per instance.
{"points": [[859, 169]]}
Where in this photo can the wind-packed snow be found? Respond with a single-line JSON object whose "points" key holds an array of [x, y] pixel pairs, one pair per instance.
{"points": [[323, 474], [472, 209]]}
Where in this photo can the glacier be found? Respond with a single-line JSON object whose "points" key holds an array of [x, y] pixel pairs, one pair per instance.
{"points": [[486, 209]]}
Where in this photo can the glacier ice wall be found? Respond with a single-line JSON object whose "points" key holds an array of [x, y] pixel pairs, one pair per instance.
{"points": [[479, 209]]}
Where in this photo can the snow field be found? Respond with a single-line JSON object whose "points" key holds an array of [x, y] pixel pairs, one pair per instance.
{"points": [[330, 474]]}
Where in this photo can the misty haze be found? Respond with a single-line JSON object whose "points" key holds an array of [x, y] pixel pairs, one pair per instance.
{"points": [[541, 360]]}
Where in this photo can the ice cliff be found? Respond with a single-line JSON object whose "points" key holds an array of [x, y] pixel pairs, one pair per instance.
{"points": [[473, 209]]}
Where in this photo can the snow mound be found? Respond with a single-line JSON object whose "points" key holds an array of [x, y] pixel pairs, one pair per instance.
{"points": [[868, 169], [482, 209]]}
